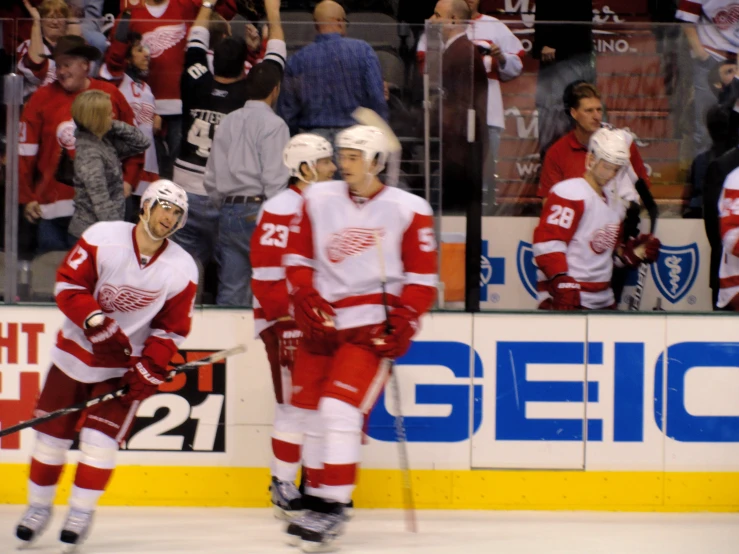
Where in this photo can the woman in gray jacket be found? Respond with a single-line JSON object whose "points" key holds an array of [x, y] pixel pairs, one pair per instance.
{"points": [[101, 145]]}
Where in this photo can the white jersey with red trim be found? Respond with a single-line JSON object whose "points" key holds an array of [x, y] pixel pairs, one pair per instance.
{"points": [[484, 32], [33, 78], [153, 304], [268, 244], [717, 21], [336, 237], [728, 207], [577, 234]]}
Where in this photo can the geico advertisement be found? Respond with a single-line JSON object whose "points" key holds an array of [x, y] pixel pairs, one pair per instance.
{"points": [[677, 281], [651, 392]]}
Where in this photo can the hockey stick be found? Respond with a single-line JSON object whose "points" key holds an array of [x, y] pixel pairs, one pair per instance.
{"points": [[651, 206], [405, 470], [365, 116], [218, 356]]}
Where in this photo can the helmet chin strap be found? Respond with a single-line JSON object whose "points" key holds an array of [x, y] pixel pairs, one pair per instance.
{"points": [[147, 228]]}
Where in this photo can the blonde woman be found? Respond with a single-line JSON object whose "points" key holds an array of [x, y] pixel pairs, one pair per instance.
{"points": [[51, 21], [101, 145]]}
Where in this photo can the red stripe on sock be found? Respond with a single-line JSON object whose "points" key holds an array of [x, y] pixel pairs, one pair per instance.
{"points": [[286, 451], [93, 478], [339, 474], [44, 475], [313, 477]]}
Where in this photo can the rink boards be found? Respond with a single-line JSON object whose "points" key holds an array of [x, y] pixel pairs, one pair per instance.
{"points": [[503, 411]]}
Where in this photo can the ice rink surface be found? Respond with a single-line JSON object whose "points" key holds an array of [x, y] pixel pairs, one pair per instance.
{"points": [[197, 530]]}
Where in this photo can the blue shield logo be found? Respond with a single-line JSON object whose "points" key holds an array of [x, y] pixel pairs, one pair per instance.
{"points": [[526, 267], [675, 271], [492, 272]]}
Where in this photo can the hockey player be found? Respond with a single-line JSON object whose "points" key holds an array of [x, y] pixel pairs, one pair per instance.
{"points": [[309, 158], [728, 294], [127, 293], [333, 272], [581, 229]]}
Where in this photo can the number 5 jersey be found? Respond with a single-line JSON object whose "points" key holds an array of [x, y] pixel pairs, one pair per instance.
{"points": [[577, 234]]}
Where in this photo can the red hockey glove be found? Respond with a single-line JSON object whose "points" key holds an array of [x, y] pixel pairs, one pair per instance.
{"points": [[565, 293], [289, 336], [108, 340], [403, 325], [313, 315], [142, 380], [642, 249]]}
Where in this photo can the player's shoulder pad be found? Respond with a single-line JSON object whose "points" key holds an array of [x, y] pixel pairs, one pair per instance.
{"points": [[180, 259], [109, 233], [324, 188], [572, 189], [732, 180], [410, 201], [285, 203]]}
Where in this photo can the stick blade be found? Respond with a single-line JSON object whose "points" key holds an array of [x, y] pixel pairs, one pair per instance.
{"points": [[365, 116]]}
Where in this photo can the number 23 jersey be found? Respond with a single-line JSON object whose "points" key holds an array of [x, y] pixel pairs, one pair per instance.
{"points": [[577, 234]]}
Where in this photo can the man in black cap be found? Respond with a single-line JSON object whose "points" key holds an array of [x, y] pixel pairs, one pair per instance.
{"points": [[47, 130]]}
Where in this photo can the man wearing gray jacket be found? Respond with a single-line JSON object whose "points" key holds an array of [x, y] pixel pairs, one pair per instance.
{"points": [[244, 169]]}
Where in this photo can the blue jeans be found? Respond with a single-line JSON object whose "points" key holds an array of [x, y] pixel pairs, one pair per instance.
{"points": [[53, 236], [235, 228], [199, 236]]}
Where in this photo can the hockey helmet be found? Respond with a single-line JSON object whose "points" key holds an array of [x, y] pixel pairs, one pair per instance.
{"points": [[306, 148], [164, 191], [610, 145], [369, 140]]}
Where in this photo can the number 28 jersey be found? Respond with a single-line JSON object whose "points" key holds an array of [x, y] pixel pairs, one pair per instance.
{"points": [[577, 234]]}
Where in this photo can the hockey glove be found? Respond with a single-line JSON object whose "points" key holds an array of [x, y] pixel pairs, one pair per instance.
{"points": [[108, 341], [565, 293], [289, 336], [142, 381], [643, 249], [403, 325], [313, 315]]}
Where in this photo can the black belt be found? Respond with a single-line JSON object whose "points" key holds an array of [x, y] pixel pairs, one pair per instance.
{"points": [[258, 199]]}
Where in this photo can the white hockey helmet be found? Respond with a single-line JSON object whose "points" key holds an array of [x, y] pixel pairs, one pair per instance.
{"points": [[610, 145], [306, 148], [369, 140], [168, 192]]}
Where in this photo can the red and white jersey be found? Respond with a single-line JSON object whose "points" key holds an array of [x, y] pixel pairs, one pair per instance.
{"points": [[577, 234], [717, 22], [46, 127], [486, 31], [728, 206], [141, 99], [152, 304], [268, 245], [34, 76], [333, 246]]}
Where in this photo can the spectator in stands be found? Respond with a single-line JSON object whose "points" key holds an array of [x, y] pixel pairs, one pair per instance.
{"points": [[710, 44], [565, 54], [101, 144], [51, 21], [164, 25], [327, 80], [95, 23], [503, 58], [244, 169], [465, 85], [715, 176], [47, 130]]}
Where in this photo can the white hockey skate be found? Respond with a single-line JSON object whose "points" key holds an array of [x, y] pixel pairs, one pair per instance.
{"points": [[76, 529], [32, 525], [317, 531], [286, 499]]}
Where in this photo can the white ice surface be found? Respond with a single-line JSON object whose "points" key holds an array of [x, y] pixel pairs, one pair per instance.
{"points": [[206, 530]]}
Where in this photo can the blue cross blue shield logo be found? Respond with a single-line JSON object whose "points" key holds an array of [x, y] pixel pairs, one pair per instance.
{"points": [[492, 272], [675, 271], [526, 267]]}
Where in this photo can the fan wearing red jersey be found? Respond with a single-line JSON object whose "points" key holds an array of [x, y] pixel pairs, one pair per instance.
{"points": [[127, 294], [334, 279], [309, 159], [581, 231]]}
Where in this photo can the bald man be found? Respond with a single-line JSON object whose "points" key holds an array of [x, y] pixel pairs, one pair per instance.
{"points": [[465, 84], [330, 78]]}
